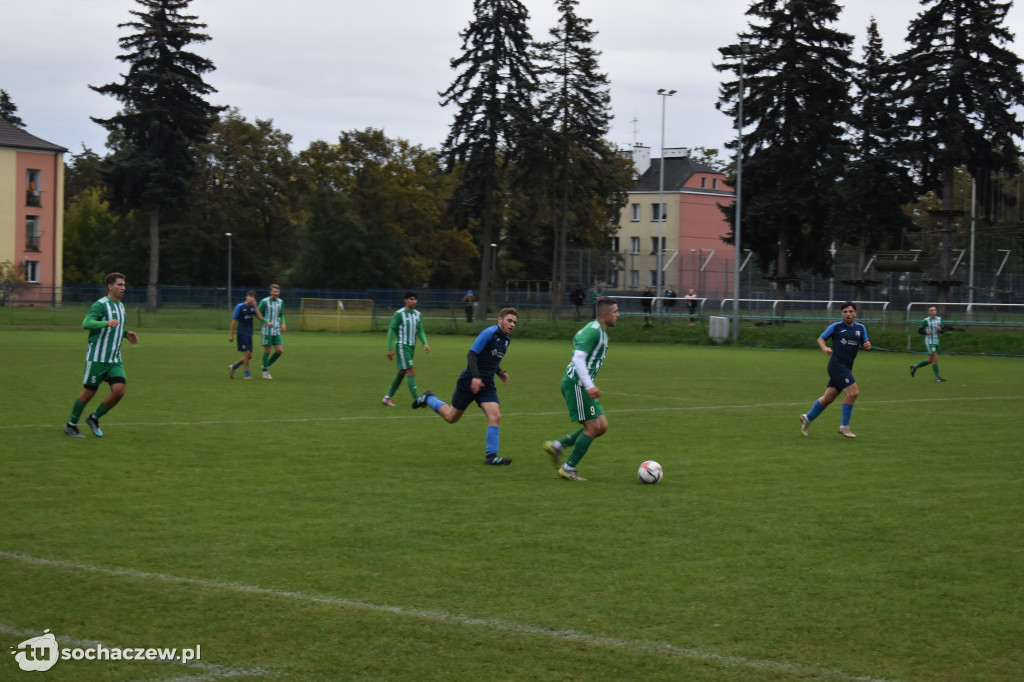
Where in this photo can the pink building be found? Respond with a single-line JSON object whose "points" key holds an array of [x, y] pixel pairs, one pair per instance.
{"points": [[695, 257], [31, 212]]}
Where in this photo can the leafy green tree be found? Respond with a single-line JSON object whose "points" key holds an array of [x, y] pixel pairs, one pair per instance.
{"points": [[98, 240], [375, 212], [797, 101], [246, 184], [575, 110], [494, 109], [9, 110], [868, 202], [164, 118], [959, 90]]}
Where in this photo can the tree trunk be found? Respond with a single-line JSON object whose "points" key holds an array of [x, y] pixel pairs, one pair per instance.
{"points": [[153, 286], [945, 235]]}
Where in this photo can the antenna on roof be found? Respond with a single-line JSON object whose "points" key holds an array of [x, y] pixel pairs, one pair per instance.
{"points": [[636, 130]]}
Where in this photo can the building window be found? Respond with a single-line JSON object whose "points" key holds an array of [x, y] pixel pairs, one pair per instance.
{"points": [[614, 279], [654, 278], [703, 183], [615, 244], [33, 233], [634, 244], [634, 212], [33, 195], [654, 245], [634, 278], [654, 211], [714, 183], [32, 271]]}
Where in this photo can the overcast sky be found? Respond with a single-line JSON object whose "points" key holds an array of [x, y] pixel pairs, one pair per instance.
{"points": [[319, 68]]}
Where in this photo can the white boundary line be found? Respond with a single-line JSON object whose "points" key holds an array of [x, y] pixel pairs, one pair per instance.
{"points": [[662, 648], [690, 408], [211, 670]]}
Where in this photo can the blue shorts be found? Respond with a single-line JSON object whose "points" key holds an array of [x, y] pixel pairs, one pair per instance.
{"points": [[244, 342], [464, 395], [839, 379]]}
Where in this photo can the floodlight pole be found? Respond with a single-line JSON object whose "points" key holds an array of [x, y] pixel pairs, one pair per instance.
{"points": [[740, 51], [660, 257]]}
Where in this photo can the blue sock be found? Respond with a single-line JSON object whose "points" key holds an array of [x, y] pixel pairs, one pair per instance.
{"points": [[435, 403], [236, 365], [815, 410], [247, 373], [847, 412], [492, 440]]}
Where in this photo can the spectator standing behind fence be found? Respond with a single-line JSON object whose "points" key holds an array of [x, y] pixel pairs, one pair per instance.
{"points": [[468, 301], [646, 301], [576, 297], [670, 300], [691, 304]]}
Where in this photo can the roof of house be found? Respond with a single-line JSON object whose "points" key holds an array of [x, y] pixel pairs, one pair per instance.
{"points": [[677, 171], [13, 137]]}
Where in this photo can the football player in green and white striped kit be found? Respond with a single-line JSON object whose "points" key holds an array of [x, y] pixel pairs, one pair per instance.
{"points": [[406, 326], [272, 310], [581, 395], [930, 327], [106, 324]]}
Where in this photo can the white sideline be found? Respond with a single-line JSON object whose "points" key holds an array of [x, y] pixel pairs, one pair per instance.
{"points": [[663, 648], [561, 412], [211, 671]]}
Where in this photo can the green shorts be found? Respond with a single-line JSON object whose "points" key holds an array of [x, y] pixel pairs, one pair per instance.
{"points": [[931, 348], [581, 406], [271, 340], [98, 372], [403, 356]]}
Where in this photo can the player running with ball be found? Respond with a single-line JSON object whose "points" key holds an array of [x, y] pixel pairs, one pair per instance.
{"points": [[847, 337], [581, 395]]}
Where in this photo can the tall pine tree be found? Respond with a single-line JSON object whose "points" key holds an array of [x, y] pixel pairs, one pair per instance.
{"points": [[492, 97], [164, 117], [797, 101], [9, 110], [960, 89], [868, 209], [575, 108]]}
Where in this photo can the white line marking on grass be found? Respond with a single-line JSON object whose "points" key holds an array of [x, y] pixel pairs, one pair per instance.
{"points": [[212, 671], [690, 408], [663, 648]]}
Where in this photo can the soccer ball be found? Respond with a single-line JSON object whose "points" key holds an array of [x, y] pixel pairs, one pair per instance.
{"points": [[650, 472]]}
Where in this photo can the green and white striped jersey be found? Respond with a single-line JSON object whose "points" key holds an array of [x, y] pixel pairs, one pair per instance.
{"points": [[104, 341], [931, 325], [592, 340], [272, 311], [405, 326]]}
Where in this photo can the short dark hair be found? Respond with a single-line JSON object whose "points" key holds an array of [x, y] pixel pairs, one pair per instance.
{"points": [[604, 303], [410, 294], [849, 304], [250, 293], [113, 277]]}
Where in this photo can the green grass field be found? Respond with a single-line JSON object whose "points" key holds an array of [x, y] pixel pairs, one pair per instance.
{"points": [[296, 529]]}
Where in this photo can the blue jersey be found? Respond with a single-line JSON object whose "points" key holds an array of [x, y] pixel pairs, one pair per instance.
{"points": [[244, 313], [490, 347], [846, 341]]}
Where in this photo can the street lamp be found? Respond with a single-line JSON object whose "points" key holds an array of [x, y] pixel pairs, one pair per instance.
{"points": [[660, 277], [741, 52], [228, 235]]}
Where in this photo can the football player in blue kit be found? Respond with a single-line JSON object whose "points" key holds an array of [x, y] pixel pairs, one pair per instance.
{"points": [[476, 383], [847, 337]]}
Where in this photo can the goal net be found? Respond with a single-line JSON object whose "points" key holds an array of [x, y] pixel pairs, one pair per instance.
{"points": [[336, 314]]}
